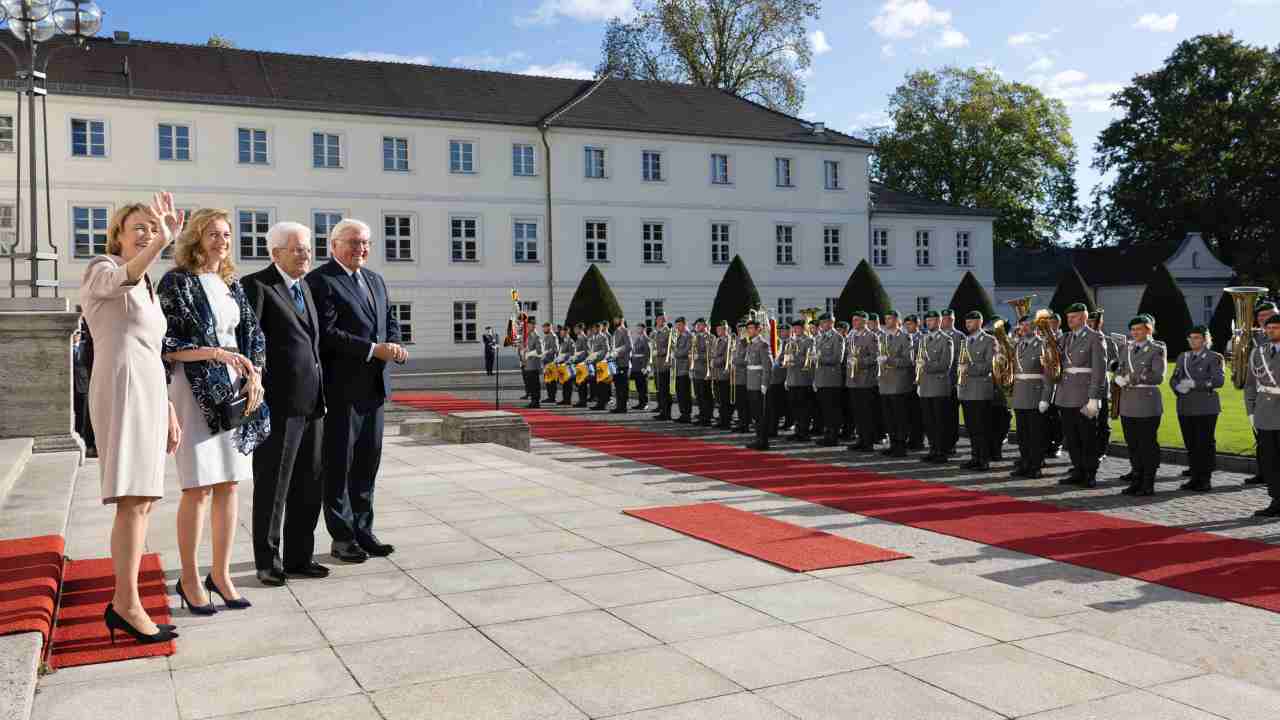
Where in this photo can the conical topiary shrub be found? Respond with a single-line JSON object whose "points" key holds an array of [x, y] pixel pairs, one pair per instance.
{"points": [[1164, 301], [1220, 324], [1071, 290], [593, 301], [970, 296], [863, 291], [737, 294]]}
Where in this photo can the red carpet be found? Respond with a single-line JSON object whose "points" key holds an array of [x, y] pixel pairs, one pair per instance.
{"points": [[80, 637], [1243, 571], [793, 547], [30, 572]]}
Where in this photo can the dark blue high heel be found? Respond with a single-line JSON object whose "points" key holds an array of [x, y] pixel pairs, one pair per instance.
{"points": [[232, 603], [195, 609]]}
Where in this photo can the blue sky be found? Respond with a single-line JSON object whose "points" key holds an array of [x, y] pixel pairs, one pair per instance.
{"points": [[1078, 50]]}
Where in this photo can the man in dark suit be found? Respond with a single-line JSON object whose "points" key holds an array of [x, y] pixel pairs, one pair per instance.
{"points": [[490, 339], [287, 487], [358, 337]]}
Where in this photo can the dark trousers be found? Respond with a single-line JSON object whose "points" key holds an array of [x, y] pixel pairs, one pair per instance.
{"points": [[977, 420], [706, 406], [741, 405], [1080, 439], [829, 404], [1202, 445], [877, 411], [1031, 439], [864, 415], [566, 392], [1053, 428], [551, 391], [288, 493], [1104, 426], [896, 420], [532, 379], [352, 454], [775, 404], [722, 402], [622, 381], [642, 388], [586, 391], [684, 395], [1144, 448], [756, 401], [1001, 419], [489, 358], [84, 425], [936, 411], [1269, 461], [915, 420], [664, 393], [953, 422], [604, 390], [800, 399], [847, 422]]}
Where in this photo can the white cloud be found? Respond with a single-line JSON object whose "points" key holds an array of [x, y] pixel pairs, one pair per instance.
{"points": [[582, 10], [386, 57], [1028, 38], [489, 61], [903, 19], [886, 50], [1158, 23], [1073, 89], [867, 120], [818, 40], [952, 38], [990, 64], [1068, 77], [1042, 65], [571, 69]]}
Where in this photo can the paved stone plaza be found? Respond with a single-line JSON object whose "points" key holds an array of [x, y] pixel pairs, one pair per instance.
{"points": [[518, 590]]}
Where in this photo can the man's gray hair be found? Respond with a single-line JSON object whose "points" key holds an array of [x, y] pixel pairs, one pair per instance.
{"points": [[346, 227], [279, 234]]}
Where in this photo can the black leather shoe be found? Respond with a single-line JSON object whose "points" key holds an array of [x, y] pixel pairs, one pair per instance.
{"points": [[348, 552], [272, 578], [1255, 480], [1090, 480], [1186, 473], [1271, 511], [1033, 475], [1194, 485], [683, 420], [377, 549], [757, 445], [310, 570], [1127, 477]]}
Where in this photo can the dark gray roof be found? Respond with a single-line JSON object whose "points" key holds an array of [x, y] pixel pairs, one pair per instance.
{"points": [[885, 200], [1097, 266], [224, 76]]}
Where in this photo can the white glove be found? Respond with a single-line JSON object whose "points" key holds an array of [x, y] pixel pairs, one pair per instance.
{"points": [[1043, 406], [1091, 408], [882, 358], [786, 385], [532, 354], [1121, 380], [592, 357], [1187, 385], [1251, 423]]}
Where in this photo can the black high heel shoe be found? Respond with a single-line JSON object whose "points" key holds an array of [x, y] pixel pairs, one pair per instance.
{"points": [[115, 622], [195, 609], [232, 603]]}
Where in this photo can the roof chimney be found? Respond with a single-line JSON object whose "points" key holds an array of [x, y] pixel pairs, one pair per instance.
{"points": [[121, 37], [819, 128]]}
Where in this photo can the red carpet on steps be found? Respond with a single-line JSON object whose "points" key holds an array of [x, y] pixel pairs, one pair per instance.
{"points": [[793, 547], [1243, 571], [30, 572], [80, 637]]}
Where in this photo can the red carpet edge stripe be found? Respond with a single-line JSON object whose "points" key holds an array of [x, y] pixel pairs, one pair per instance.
{"points": [[1242, 571]]}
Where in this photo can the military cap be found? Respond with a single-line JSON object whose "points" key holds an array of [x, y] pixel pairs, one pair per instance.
{"points": [[680, 319], [932, 314], [723, 323], [889, 312], [699, 320], [1198, 330], [948, 313], [1077, 307], [1055, 317], [842, 325], [751, 322], [1143, 319], [797, 323], [1096, 314], [1273, 320], [1265, 306], [911, 318], [1151, 319], [824, 316], [862, 314], [973, 315], [873, 316]]}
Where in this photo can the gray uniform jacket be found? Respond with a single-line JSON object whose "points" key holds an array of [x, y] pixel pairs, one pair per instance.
{"points": [[939, 354], [977, 382], [898, 376], [684, 342], [565, 349], [1113, 353], [797, 376], [1030, 386], [717, 350], [621, 348], [1262, 387], [864, 345], [534, 353], [700, 346], [550, 346], [830, 371], [639, 353], [1205, 368], [739, 376], [759, 364], [580, 349], [599, 344], [1144, 368], [1084, 369], [659, 344]]}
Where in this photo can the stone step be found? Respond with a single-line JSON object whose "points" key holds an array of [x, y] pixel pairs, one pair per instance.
{"points": [[40, 500], [14, 454], [19, 666]]}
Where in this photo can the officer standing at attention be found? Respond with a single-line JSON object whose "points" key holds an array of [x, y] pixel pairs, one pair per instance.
{"points": [[799, 381], [1096, 322], [948, 325], [828, 379], [936, 386], [1001, 417], [680, 366], [915, 411], [533, 371], [1079, 395], [564, 349], [601, 347], [776, 408], [861, 349], [550, 346], [1032, 395], [759, 368], [739, 391], [1140, 373], [976, 390], [640, 366], [622, 361], [1197, 375], [720, 375], [1262, 312], [897, 382], [662, 366], [701, 364], [1053, 418], [846, 393], [1262, 403]]}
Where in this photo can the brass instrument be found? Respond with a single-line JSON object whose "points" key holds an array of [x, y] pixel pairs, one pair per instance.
{"points": [[922, 357], [1002, 364], [811, 355], [1243, 300], [1021, 306], [789, 353], [1117, 392], [671, 344], [882, 349], [693, 351], [1050, 353], [962, 364]]}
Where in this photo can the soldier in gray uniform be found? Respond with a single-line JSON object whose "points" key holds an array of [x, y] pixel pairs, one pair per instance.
{"points": [[759, 368], [1197, 375], [640, 366], [701, 354], [739, 378], [1053, 419], [719, 353], [1032, 395], [975, 390], [1001, 417], [601, 344], [1262, 403], [1140, 373], [915, 410], [1079, 394], [936, 386], [581, 349], [828, 378], [799, 382], [533, 355], [948, 324], [1096, 322], [564, 353], [876, 329], [1262, 311], [684, 387], [662, 366], [897, 382], [621, 354], [550, 346], [864, 382]]}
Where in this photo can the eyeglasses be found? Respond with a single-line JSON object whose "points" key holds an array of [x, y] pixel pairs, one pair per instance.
{"points": [[358, 243]]}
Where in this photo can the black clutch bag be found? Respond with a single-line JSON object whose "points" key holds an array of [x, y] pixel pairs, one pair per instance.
{"points": [[232, 409]]}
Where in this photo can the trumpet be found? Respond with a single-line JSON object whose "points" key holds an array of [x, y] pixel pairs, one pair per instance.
{"points": [[882, 349], [855, 363], [963, 363], [789, 353], [922, 357]]}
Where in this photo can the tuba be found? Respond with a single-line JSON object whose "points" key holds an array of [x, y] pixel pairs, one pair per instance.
{"points": [[1002, 365], [1021, 306], [1242, 337], [1050, 354]]}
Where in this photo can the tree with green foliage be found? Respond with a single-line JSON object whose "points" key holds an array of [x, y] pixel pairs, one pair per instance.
{"points": [[220, 41], [862, 291], [1195, 149], [1071, 289], [969, 137], [1220, 324], [593, 301], [970, 296], [1164, 301], [736, 295]]}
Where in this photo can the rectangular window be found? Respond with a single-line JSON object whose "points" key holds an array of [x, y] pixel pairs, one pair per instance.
{"points": [[402, 313], [923, 304], [397, 235], [651, 166], [597, 239], [530, 309], [922, 248], [962, 248], [254, 225], [654, 236], [880, 247], [175, 142], [786, 311], [831, 305], [6, 133], [831, 174], [322, 223], [395, 154], [593, 158], [326, 150], [464, 322], [782, 172], [720, 169], [462, 156], [653, 307], [720, 238], [8, 237], [89, 230], [88, 138], [522, 160], [1210, 304], [463, 239], [252, 146], [831, 250], [524, 238], [784, 236]]}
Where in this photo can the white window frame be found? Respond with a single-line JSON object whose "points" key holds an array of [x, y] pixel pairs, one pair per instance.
{"points": [[792, 244], [533, 159], [661, 165], [479, 234], [408, 154], [267, 140], [106, 137], [341, 137], [191, 142], [728, 242], [530, 309], [727, 180], [106, 220], [463, 143], [536, 222], [839, 175], [589, 168], [778, 164], [413, 239], [591, 246], [925, 250], [653, 307], [885, 234], [265, 245], [964, 253], [924, 303], [11, 131], [319, 250], [461, 319], [395, 308], [9, 228], [826, 245], [661, 243]]}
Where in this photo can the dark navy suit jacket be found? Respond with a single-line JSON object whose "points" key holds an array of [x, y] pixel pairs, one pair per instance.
{"points": [[349, 324]]}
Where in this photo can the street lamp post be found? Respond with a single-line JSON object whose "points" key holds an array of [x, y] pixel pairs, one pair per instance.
{"points": [[35, 23]]}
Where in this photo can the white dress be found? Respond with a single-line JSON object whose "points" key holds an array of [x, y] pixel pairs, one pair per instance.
{"points": [[204, 458]]}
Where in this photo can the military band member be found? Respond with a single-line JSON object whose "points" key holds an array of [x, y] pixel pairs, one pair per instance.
{"points": [[1139, 374], [640, 366], [1001, 416], [564, 356], [1197, 375], [876, 327], [846, 393], [1052, 418], [1096, 323], [660, 342], [975, 390], [680, 368], [799, 379], [1079, 394], [897, 381], [720, 374], [580, 352], [936, 386], [1262, 403], [533, 370], [759, 367], [1262, 312], [828, 378], [601, 346], [739, 377], [550, 345], [620, 353], [915, 412], [701, 342], [1032, 396], [947, 323], [776, 408], [864, 384]]}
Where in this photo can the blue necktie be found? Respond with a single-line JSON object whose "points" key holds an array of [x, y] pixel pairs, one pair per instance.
{"points": [[296, 291]]}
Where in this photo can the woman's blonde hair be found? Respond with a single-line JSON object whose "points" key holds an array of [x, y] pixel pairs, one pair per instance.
{"points": [[116, 227], [189, 254]]}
